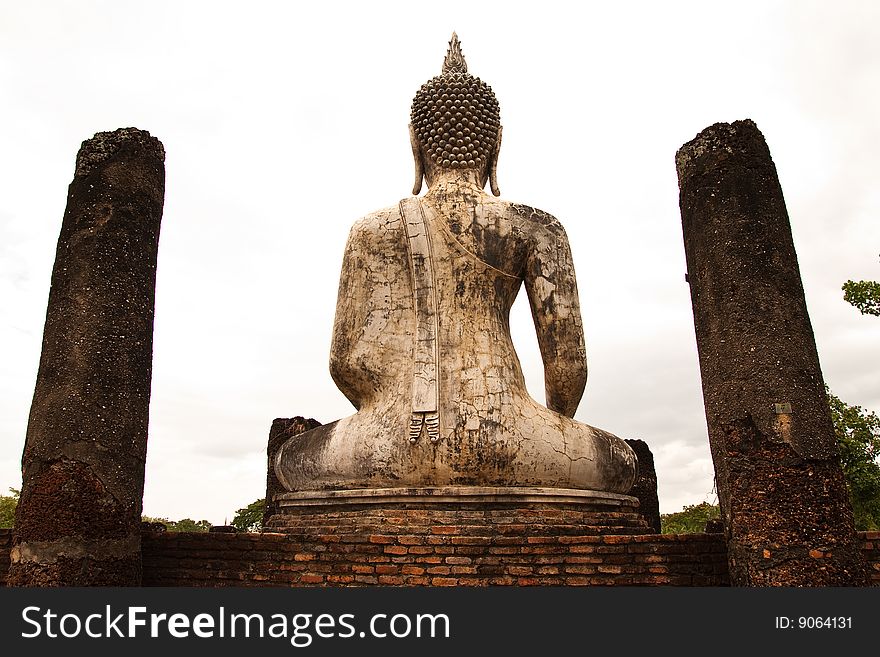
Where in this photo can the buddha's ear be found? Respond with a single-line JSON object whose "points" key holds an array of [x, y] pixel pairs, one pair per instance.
{"points": [[417, 160], [493, 166]]}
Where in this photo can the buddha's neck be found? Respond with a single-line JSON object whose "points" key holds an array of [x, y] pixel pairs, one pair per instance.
{"points": [[454, 183]]}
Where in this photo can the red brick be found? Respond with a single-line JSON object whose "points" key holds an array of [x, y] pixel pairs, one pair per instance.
{"points": [[444, 529], [464, 570], [584, 559], [290, 567], [548, 570], [411, 540], [429, 559], [382, 539], [472, 581], [542, 539], [439, 570], [458, 561], [471, 540], [580, 539], [444, 581], [581, 570], [519, 570]]}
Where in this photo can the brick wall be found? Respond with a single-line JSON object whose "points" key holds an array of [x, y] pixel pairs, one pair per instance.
{"points": [[443, 559]]}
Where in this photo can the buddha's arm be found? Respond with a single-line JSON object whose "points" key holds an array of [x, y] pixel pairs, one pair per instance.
{"points": [[350, 310], [552, 290]]}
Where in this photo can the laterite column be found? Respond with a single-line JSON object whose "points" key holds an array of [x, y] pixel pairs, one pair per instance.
{"points": [[783, 496], [78, 519]]}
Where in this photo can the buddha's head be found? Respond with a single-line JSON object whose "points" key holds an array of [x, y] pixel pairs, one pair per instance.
{"points": [[455, 125]]}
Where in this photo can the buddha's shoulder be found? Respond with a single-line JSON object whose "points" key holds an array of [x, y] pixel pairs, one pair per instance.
{"points": [[377, 222], [527, 218], [524, 217]]}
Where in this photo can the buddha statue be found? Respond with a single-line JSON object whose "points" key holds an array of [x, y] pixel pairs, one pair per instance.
{"points": [[421, 340]]}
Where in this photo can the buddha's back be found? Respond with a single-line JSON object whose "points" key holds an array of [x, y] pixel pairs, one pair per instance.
{"points": [[421, 342]]}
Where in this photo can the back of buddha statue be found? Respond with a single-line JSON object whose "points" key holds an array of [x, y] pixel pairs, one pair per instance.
{"points": [[421, 340]]}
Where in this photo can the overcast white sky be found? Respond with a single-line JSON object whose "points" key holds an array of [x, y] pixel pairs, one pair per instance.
{"points": [[285, 122]]}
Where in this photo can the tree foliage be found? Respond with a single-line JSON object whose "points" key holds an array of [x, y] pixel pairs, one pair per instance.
{"points": [[7, 508], [864, 295], [690, 520], [185, 525], [250, 518], [858, 439]]}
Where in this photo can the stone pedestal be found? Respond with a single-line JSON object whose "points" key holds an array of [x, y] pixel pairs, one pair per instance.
{"points": [[782, 491], [463, 510], [78, 521]]}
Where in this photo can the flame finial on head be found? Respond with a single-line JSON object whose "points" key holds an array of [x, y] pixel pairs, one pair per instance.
{"points": [[454, 60]]}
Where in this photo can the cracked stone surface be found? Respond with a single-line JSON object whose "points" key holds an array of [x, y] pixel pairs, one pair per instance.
{"points": [[421, 341], [78, 520], [394, 353]]}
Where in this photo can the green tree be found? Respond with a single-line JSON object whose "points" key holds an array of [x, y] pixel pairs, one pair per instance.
{"points": [[7, 508], [250, 518], [690, 520], [189, 525], [185, 525], [858, 438], [864, 295]]}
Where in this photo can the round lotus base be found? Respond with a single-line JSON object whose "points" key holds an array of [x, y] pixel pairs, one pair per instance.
{"points": [[457, 510]]}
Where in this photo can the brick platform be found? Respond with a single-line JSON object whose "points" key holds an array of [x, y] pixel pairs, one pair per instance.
{"points": [[465, 511], [443, 559], [515, 559]]}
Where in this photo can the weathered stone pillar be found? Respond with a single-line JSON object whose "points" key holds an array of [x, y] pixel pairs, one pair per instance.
{"points": [[281, 431], [645, 488], [782, 491], [78, 519]]}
